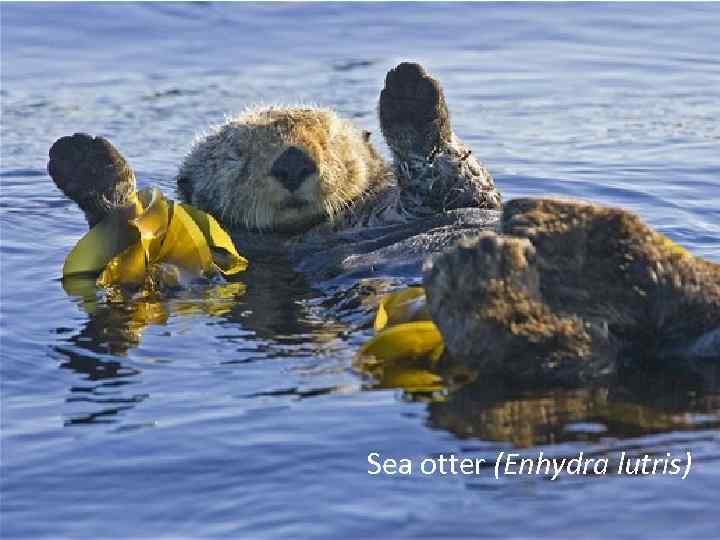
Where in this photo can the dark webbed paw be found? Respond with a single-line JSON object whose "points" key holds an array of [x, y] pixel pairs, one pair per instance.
{"points": [[413, 114], [436, 172], [91, 172]]}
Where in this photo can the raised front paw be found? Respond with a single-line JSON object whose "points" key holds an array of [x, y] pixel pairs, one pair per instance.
{"points": [[91, 172], [413, 114]]}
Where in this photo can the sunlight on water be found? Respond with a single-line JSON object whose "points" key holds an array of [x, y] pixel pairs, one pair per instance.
{"points": [[236, 410]]}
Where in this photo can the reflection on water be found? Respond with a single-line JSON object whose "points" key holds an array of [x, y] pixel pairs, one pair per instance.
{"points": [[539, 417], [117, 318], [115, 324], [639, 402], [275, 307], [270, 309]]}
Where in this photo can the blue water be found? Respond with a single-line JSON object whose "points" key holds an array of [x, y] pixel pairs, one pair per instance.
{"points": [[237, 412]]}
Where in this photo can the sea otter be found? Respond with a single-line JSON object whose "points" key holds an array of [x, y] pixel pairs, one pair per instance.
{"points": [[570, 287]]}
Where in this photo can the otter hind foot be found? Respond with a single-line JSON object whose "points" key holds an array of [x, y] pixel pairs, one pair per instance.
{"points": [[413, 114], [484, 294], [470, 285], [92, 172]]}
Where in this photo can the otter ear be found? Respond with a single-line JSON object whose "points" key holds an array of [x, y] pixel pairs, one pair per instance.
{"points": [[366, 135]]}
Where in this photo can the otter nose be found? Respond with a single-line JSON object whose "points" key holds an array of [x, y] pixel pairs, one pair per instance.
{"points": [[292, 167]]}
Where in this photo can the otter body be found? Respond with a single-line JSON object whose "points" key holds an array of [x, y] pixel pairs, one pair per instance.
{"points": [[569, 290], [559, 297]]}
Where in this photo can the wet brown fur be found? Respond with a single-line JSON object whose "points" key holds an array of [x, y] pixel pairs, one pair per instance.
{"points": [[570, 286]]}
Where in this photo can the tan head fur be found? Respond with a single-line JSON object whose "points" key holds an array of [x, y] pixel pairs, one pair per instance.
{"points": [[230, 171]]}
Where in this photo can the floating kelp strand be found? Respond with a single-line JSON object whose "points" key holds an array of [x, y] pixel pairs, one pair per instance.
{"points": [[154, 243]]}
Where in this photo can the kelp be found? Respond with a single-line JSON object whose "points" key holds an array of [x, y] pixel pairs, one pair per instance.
{"points": [[400, 307], [151, 246], [407, 344], [407, 341], [153, 243]]}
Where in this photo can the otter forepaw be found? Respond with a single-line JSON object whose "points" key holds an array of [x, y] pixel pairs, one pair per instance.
{"points": [[413, 114], [92, 172]]}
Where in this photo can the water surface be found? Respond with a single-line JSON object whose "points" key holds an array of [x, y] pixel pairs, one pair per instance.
{"points": [[235, 411]]}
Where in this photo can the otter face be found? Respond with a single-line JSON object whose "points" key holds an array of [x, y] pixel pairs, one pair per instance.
{"points": [[280, 169]]}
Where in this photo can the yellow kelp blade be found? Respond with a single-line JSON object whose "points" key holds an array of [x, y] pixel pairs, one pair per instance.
{"points": [[101, 243], [152, 222], [228, 263], [184, 245], [402, 306], [177, 242], [128, 268], [222, 247], [407, 341]]}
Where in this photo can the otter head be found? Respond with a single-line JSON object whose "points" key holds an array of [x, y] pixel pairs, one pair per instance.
{"points": [[280, 169]]}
